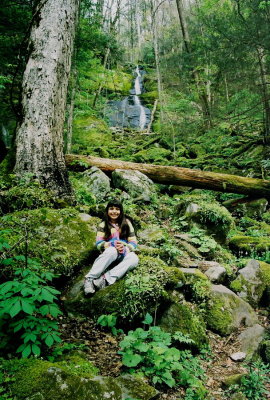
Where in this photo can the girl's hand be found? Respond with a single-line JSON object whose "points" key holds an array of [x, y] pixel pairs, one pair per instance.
{"points": [[119, 246]]}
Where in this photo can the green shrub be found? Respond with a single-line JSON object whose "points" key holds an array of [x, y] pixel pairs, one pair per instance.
{"points": [[150, 352], [27, 307]]}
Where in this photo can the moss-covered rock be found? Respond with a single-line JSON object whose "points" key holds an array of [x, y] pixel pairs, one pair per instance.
{"points": [[231, 380], [27, 196], [248, 208], [253, 282], [141, 290], [36, 379], [208, 213], [186, 319], [153, 155], [61, 239], [225, 311], [151, 234], [244, 245]]}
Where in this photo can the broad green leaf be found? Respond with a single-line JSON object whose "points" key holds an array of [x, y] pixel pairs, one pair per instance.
{"points": [[36, 350], [148, 319], [27, 307], [131, 359], [5, 287], [15, 309], [27, 351], [49, 340]]}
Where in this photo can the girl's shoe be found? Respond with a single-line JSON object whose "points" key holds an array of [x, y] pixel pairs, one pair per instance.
{"points": [[89, 287], [101, 282]]}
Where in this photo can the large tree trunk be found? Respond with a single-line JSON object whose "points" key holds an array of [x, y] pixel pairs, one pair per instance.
{"points": [[180, 176], [39, 138]]}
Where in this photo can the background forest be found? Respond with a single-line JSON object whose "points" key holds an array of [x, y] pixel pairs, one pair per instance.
{"points": [[198, 304]]}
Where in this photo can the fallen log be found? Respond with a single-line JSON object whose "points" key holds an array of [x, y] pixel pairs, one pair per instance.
{"points": [[179, 176]]}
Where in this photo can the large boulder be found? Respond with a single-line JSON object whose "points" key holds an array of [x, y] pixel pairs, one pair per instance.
{"points": [[130, 298], [253, 282], [61, 239], [135, 183], [227, 312], [186, 319], [97, 182], [43, 380]]}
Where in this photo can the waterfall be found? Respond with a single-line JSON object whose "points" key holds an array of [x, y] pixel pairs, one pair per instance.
{"points": [[137, 87], [137, 100], [129, 112]]}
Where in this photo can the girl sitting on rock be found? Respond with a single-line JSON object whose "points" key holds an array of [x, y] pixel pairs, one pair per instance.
{"points": [[117, 240]]}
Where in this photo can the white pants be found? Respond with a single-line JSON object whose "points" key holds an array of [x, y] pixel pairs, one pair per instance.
{"points": [[105, 259]]}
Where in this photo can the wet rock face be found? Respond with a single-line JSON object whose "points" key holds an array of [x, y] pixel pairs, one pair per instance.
{"points": [[130, 112], [126, 113]]}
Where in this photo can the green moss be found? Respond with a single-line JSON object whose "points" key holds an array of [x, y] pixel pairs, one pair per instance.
{"points": [[142, 290], [233, 379], [265, 273], [186, 319], [154, 154], [236, 285], [117, 81], [61, 239], [210, 214], [219, 317], [57, 381], [248, 244]]}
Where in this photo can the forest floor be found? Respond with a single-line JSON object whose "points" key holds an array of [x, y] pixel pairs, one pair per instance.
{"points": [[101, 348]]}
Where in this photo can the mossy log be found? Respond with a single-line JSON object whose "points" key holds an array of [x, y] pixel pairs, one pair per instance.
{"points": [[178, 176]]}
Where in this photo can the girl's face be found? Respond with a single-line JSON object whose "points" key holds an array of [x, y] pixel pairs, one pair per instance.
{"points": [[113, 213]]}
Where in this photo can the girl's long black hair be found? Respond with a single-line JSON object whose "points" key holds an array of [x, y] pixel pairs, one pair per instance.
{"points": [[122, 221]]}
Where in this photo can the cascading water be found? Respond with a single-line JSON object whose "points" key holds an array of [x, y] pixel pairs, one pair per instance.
{"points": [[137, 100], [130, 113]]}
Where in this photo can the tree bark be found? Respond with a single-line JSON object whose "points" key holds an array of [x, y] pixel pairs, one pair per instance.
{"points": [[180, 176], [39, 137]]}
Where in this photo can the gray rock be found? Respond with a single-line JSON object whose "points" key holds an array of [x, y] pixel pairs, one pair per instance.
{"points": [[216, 274], [239, 356], [249, 283], [136, 184], [97, 182], [250, 340], [227, 312], [204, 265], [192, 208]]}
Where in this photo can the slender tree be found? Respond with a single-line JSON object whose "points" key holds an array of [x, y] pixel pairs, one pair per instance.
{"points": [[39, 137]]}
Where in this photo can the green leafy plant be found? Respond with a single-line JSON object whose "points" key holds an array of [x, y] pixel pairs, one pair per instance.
{"points": [[150, 352], [28, 307], [62, 348], [253, 386], [110, 322], [205, 243]]}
